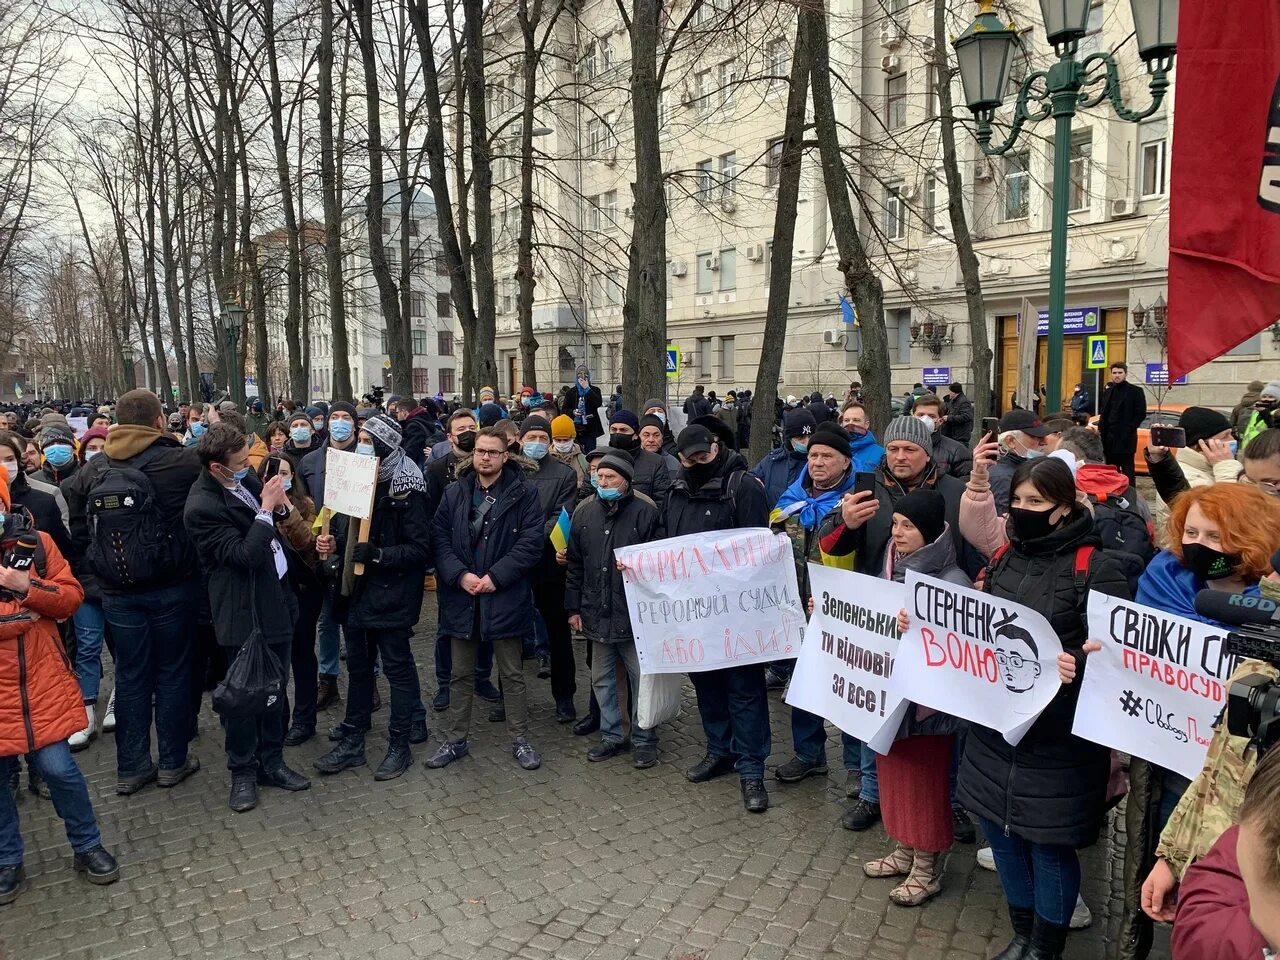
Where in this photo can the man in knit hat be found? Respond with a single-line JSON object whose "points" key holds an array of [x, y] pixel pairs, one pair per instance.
{"points": [[557, 487], [780, 467], [657, 407], [652, 478], [380, 607]]}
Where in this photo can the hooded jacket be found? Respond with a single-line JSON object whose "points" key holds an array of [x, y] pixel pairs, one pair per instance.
{"points": [[40, 700], [866, 452], [779, 469], [1213, 908], [1241, 412]]}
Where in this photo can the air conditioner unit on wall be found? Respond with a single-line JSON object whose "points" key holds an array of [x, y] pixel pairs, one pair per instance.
{"points": [[982, 170], [890, 34], [1122, 207], [711, 262], [679, 268], [754, 252], [891, 63], [908, 192], [833, 337]]}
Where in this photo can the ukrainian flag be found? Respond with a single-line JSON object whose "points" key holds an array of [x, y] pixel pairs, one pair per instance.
{"points": [[560, 532]]}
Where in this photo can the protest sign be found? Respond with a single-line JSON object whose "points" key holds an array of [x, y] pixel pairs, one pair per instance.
{"points": [[969, 654], [710, 600], [846, 659], [1156, 686], [349, 482], [79, 425]]}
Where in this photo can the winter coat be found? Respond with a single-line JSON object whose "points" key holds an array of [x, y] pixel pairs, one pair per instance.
{"points": [[299, 453], [238, 563], [651, 476], [1052, 787], [46, 510], [952, 457], [55, 477], [1241, 412], [418, 431], [257, 451], [170, 467], [1258, 421], [590, 423], [959, 423], [507, 549], [1123, 408], [557, 487], [1166, 474], [439, 474], [594, 587], [778, 469], [728, 414], [312, 467], [725, 502], [575, 460], [865, 452], [1199, 472], [258, 421], [1000, 477], [40, 701], [389, 594], [696, 405], [1213, 908]]}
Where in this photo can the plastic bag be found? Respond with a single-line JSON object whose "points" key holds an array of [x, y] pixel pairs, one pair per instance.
{"points": [[254, 683], [658, 700]]}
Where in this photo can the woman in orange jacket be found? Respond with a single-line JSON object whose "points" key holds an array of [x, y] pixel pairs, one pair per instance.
{"points": [[40, 701]]}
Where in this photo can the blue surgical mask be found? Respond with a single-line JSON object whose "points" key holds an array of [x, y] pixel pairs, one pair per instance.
{"points": [[90, 454], [1033, 453], [595, 482], [300, 434], [1233, 446], [661, 416], [365, 449], [341, 430], [318, 423], [609, 493], [198, 429], [530, 401], [3, 517], [241, 473], [287, 483], [800, 446], [58, 454], [534, 451]]}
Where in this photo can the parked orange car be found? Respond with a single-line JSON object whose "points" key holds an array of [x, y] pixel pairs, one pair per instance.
{"points": [[1168, 415]]}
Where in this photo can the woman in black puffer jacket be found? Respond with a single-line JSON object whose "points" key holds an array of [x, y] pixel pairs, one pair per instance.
{"points": [[1044, 799]]}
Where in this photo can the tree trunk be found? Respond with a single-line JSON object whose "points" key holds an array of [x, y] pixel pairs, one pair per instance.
{"points": [[529, 19], [644, 311], [402, 374], [865, 289], [342, 386], [763, 400], [484, 368], [980, 352]]}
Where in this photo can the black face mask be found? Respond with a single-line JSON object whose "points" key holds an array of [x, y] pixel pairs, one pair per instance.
{"points": [[623, 441], [466, 442], [1208, 563], [700, 473], [1031, 524]]}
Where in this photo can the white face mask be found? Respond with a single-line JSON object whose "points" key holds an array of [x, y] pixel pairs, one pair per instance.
{"points": [[928, 422], [563, 446]]}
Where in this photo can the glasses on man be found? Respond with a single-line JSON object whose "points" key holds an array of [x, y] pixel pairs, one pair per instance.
{"points": [[488, 453]]}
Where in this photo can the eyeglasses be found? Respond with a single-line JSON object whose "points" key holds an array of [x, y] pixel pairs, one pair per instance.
{"points": [[488, 453], [1271, 487]]}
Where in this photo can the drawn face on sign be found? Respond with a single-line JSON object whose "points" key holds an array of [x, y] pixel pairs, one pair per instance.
{"points": [[1018, 658]]}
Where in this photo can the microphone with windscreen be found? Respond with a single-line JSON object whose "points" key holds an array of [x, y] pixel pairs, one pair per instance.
{"points": [[1237, 609], [23, 553]]}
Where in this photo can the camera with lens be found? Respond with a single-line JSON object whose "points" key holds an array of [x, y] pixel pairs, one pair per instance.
{"points": [[1253, 701]]}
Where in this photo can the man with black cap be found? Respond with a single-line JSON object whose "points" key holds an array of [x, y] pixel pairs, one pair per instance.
{"points": [[779, 468], [557, 487], [1022, 437], [380, 607], [651, 475], [1121, 410], [715, 492]]}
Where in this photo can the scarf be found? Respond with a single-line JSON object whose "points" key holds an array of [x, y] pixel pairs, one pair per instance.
{"points": [[809, 508], [395, 467], [1167, 585]]}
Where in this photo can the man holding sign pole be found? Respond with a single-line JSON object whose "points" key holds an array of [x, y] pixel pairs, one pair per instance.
{"points": [[715, 492], [379, 563]]}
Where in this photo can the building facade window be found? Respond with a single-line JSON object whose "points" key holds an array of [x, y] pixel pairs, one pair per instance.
{"points": [[778, 63], [417, 304], [419, 344], [704, 271], [421, 381], [704, 358], [894, 219], [728, 82], [1081, 167], [898, 330], [1152, 159], [444, 306], [726, 361], [706, 181], [728, 175], [895, 102], [773, 162], [446, 383], [444, 343], [728, 269], [1016, 202]]}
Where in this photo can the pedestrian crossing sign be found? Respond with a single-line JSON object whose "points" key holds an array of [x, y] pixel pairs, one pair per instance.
{"points": [[673, 360], [1097, 353]]}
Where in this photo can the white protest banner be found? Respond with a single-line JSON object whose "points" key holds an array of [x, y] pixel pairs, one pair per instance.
{"points": [[79, 425], [986, 660], [1156, 686], [710, 600], [846, 660], [349, 483]]}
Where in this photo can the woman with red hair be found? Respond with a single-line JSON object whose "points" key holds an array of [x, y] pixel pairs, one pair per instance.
{"points": [[1218, 537]]}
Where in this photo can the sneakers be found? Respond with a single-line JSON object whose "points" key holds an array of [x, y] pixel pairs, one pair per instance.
{"points": [[525, 755], [797, 768], [986, 859], [284, 778], [963, 826], [80, 739], [861, 816], [244, 794], [98, 865], [710, 767], [446, 753], [171, 778], [754, 796], [109, 718], [1081, 916]]}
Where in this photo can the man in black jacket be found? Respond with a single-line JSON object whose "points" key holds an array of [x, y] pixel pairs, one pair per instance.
{"points": [[231, 518], [557, 487], [951, 456], [418, 428], [380, 607], [652, 478], [487, 538], [1122, 409], [152, 622], [715, 492], [957, 415]]}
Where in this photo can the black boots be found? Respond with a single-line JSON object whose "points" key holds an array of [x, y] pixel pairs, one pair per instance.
{"points": [[348, 753], [1048, 940], [1023, 921], [396, 761]]}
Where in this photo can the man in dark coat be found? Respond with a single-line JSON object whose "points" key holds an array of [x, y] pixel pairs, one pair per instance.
{"points": [[951, 456], [957, 415], [1022, 437], [231, 518], [652, 478], [380, 607], [596, 600], [1122, 409], [779, 468], [416, 427], [557, 487], [696, 404], [715, 492], [487, 537]]}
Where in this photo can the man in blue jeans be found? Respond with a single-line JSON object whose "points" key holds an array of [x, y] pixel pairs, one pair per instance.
{"points": [[130, 496]]}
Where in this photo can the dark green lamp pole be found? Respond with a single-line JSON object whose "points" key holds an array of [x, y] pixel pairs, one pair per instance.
{"points": [[983, 54], [232, 325]]}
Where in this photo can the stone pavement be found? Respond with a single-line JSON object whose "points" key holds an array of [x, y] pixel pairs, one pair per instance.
{"points": [[482, 861]]}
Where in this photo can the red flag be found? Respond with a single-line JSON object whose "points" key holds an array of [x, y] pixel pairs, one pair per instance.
{"points": [[1224, 204]]}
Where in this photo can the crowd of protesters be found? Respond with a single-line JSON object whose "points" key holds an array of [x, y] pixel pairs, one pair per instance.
{"points": [[174, 538]]}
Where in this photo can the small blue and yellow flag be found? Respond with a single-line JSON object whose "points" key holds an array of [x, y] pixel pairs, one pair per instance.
{"points": [[560, 532]]}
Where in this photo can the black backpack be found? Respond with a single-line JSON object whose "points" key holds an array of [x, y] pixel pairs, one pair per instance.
{"points": [[130, 547], [1121, 528]]}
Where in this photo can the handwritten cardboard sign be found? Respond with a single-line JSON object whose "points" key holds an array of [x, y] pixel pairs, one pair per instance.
{"points": [[846, 659], [972, 655], [349, 483], [710, 600], [1156, 686]]}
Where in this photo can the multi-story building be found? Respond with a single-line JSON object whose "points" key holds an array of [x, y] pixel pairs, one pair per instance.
{"points": [[721, 117]]}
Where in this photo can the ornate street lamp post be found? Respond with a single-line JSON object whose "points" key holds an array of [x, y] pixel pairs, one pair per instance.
{"points": [[232, 326]]}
